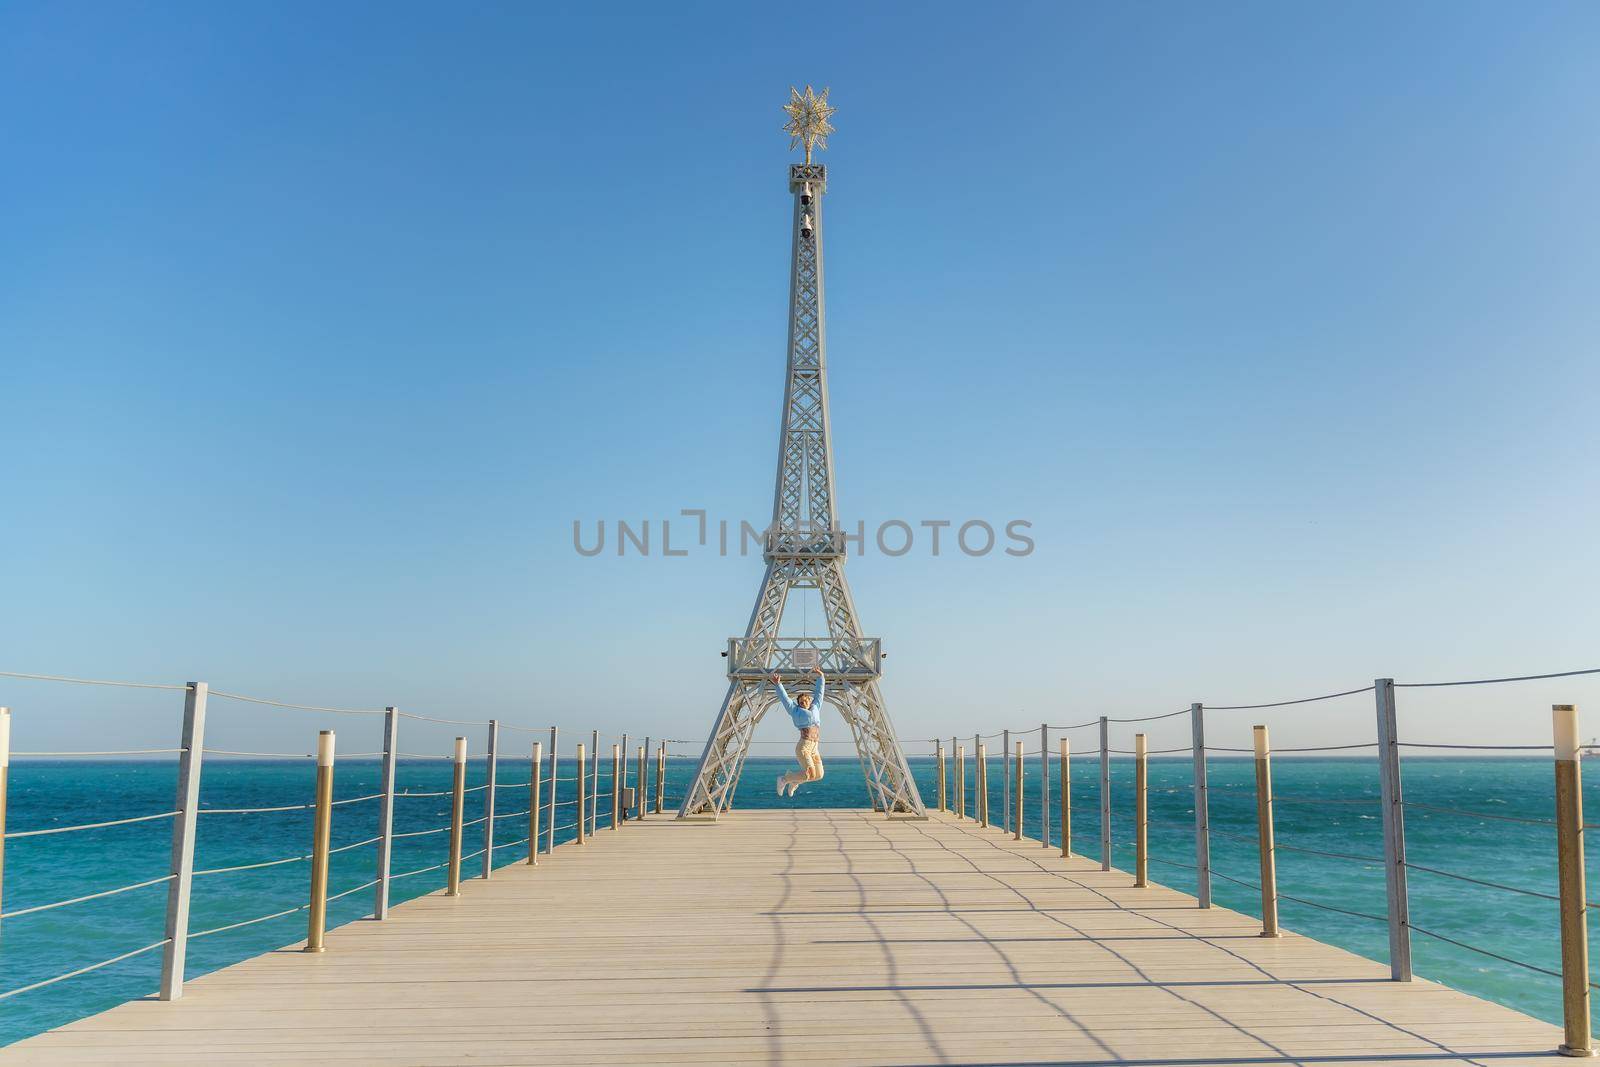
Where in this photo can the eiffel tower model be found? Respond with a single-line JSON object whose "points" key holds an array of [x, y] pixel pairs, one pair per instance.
{"points": [[804, 545]]}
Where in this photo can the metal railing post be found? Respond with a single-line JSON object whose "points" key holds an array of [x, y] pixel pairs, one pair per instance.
{"points": [[391, 753], [1016, 832], [1265, 843], [458, 800], [644, 778], [5, 774], [550, 824], [618, 769], [535, 769], [1044, 785], [1141, 812], [594, 781], [983, 786], [1394, 832], [978, 781], [1105, 793], [321, 839], [661, 776], [961, 780], [1579, 1040], [493, 763], [1005, 780], [183, 828], [583, 781], [938, 756], [1066, 798], [1202, 808], [638, 797], [624, 789]]}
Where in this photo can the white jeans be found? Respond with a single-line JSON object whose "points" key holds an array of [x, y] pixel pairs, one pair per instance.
{"points": [[810, 760]]}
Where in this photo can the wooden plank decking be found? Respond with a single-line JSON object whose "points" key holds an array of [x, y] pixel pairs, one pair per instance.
{"points": [[805, 937]]}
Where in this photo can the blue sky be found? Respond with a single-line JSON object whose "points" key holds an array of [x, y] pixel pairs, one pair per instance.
{"points": [[320, 325]]}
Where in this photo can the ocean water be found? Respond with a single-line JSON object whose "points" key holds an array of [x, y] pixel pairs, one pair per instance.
{"points": [[1325, 805]]}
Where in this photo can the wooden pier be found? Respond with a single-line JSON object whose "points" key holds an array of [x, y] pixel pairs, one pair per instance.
{"points": [[834, 937]]}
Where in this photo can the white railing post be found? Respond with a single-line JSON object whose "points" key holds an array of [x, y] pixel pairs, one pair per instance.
{"points": [[1394, 833], [488, 799], [1141, 812], [1005, 779], [550, 826], [644, 779], [391, 752], [535, 769], [1044, 785], [1105, 794], [594, 780], [183, 832], [1202, 808]]}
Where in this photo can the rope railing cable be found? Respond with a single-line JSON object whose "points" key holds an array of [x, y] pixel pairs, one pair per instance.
{"points": [[1281, 798], [357, 800], [419, 870], [439, 793], [1483, 951], [420, 833], [295, 707], [88, 896], [269, 755], [1495, 681], [1480, 881], [1476, 814], [91, 681], [1078, 726], [356, 889], [1151, 718], [1330, 907], [1287, 703], [1488, 748], [251, 866], [93, 966], [254, 811], [356, 844], [1281, 846], [115, 752], [247, 922], [1236, 881], [89, 825]]}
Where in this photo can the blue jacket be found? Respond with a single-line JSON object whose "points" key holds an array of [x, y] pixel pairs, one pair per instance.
{"points": [[803, 717]]}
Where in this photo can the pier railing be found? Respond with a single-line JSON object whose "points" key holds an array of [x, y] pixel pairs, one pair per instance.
{"points": [[556, 799], [963, 776], [553, 798]]}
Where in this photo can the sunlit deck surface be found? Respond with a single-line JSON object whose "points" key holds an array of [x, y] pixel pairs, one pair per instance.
{"points": [[805, 937]]}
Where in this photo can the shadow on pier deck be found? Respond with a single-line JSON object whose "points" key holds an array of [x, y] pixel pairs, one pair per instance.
{"points": [[806, 937]]}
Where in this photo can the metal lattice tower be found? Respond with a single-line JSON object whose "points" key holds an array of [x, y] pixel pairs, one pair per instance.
{"points": [[804, 549]]}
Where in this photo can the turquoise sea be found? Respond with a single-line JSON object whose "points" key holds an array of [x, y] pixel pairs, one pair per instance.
{"points": [[1326, 805]]}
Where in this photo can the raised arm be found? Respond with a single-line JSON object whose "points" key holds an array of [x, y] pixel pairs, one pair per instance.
{"points": [[817, 689], [783, 694]]}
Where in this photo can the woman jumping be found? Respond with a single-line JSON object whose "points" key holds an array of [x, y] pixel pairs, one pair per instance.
{"points": [[807, 716]]}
